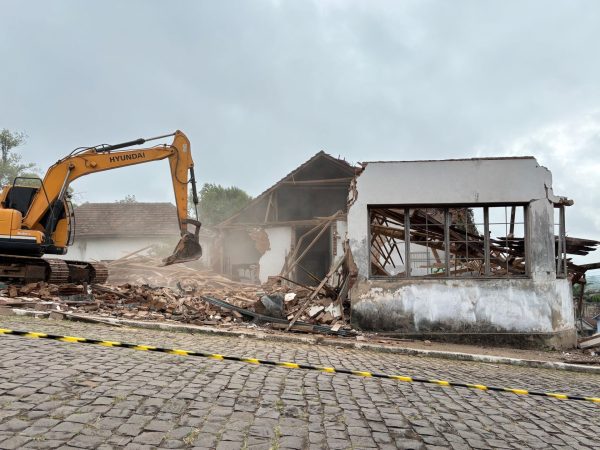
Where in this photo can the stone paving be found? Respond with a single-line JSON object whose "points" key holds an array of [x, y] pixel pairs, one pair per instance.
{"points": [[64, 395]]}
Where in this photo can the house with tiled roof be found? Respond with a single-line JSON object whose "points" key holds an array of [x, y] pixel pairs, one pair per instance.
{"points": [[108, 231]]}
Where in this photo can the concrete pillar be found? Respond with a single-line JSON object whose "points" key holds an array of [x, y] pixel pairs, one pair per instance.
{"points": [[540, 235]]}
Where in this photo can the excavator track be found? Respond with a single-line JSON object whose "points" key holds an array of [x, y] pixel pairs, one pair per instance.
{"points": [[100, 273], [58, 271], [87, 272], [30, 269]]}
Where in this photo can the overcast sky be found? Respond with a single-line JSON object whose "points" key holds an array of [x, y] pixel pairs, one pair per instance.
{"points": [[260, 86]]}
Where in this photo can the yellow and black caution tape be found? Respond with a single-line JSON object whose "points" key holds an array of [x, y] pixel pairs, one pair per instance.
{"points": [[292, 365]]}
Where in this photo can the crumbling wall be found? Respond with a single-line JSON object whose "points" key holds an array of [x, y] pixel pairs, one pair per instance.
{"points": [[538, 304], [338, 239], [240, 254]]}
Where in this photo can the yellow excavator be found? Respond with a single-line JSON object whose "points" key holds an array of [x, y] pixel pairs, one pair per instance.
{"points": [[36, 216]]}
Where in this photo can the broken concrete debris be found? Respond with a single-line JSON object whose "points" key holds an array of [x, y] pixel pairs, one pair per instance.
{"points": [[282, 323]]}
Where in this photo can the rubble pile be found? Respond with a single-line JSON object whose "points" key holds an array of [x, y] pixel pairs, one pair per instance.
{"points": [[140, 289], [198, 282], [145, 270]]}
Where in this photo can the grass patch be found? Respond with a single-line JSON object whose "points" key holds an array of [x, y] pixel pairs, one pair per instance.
{"points": [[191, 436], [275, 441]]}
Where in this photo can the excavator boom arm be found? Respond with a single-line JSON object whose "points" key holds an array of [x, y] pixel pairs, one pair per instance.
{"points": [[60, 175]]}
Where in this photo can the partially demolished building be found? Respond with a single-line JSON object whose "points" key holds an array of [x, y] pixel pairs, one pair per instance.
{"points": [[474, 246], [294, 229], [467, 249]]}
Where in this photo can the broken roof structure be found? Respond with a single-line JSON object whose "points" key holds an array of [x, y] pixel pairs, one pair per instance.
{"points": [[291, 228], [298, 192]]}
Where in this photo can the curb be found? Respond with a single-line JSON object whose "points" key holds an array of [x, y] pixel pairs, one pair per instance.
{"points": [[323, 340]]}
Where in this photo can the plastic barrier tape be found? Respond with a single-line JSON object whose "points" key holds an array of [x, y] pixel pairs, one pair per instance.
{"points": [[291, 365]]}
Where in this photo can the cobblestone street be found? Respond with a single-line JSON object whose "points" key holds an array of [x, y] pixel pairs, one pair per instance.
{"points": [[65, 395]]}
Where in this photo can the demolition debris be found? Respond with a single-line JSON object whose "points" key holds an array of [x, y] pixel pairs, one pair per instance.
{"points": [[140, 289]]}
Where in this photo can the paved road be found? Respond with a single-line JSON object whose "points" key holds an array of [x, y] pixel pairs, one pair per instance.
{"points": [[63, 395]]}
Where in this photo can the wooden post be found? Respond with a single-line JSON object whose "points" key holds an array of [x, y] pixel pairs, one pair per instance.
{"points": [[314, 294]]}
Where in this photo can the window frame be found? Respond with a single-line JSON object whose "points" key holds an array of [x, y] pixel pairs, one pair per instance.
{"points": [[560, 242], [487, 275]]}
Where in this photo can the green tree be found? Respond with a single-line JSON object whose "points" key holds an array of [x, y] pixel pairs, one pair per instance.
{"points": [[11, 164], [128, 199], [217, 203]]}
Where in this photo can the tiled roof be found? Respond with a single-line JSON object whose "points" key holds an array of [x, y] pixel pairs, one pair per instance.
{"points": [[125, 220]]}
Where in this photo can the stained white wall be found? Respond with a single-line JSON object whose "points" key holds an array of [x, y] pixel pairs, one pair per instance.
{"points": [[486, 305]]}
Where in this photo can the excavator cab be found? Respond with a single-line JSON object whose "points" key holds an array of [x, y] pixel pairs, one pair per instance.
{"points": [[19, 197], [188, 248]]}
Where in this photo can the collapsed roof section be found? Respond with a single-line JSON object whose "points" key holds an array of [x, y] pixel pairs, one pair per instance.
{"points": [[293, 229], [317, 188]]}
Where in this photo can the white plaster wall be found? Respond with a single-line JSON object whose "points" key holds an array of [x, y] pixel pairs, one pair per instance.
{"points": [[455, 181], [540, 232], [280, 242], [106, 248], [468, 181], [539, 304], [112, 248]]}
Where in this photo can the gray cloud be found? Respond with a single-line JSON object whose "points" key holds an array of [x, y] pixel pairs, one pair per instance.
{"points": [[260, 86]]}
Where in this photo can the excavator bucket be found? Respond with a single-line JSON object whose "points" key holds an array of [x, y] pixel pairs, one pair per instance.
{"points": [[188, 248]]}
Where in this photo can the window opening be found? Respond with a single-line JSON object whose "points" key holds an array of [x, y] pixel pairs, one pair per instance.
{"points": [[458, 241]]}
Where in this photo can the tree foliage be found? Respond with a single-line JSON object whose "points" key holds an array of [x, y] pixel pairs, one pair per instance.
{"points": [[217, 203], [589, 294], [11, 164], [129, 198]]}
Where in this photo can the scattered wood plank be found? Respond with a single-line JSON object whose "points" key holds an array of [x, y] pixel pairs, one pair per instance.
{"points": [[315, 292], [592, 341], [130, 254]]}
